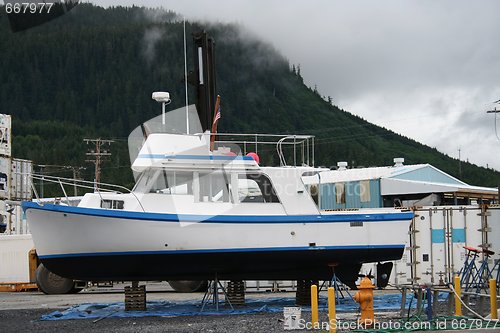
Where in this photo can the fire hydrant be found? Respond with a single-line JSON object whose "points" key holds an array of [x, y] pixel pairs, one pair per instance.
{"points": [[365, 299]]}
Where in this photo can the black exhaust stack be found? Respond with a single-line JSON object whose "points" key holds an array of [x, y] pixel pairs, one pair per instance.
{"points": [[203, 77]]}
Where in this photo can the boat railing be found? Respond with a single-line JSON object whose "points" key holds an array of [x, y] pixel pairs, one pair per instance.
{"points": [[98, 188], [299, 148]]}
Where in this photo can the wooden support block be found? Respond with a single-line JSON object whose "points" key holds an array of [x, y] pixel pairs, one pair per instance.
{"points": [[135, 298]]}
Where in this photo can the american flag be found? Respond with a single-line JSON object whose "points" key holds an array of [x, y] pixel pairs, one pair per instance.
{"points": [[217, 116], [214, 124]]}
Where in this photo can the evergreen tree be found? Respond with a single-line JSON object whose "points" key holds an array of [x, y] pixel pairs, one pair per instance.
{"points": [[91, 72]]}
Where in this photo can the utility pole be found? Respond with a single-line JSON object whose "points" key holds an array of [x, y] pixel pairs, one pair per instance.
{"points": [[459, 163], [98, 154], [76, 175], [41, 181], [495, 111]]}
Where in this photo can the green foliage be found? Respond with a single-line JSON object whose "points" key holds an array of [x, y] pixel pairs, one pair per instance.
{"points": [[91, 72]]}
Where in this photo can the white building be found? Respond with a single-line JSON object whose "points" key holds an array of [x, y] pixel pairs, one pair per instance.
{"points": [[449, 214]]}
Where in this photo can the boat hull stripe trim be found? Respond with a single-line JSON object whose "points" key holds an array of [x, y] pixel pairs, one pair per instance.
{"points": [[257, 219], [235, 250], [196, 157]]}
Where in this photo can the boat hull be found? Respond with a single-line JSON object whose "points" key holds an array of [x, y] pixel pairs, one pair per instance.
{"points": [[254, 265], [100, 245]]}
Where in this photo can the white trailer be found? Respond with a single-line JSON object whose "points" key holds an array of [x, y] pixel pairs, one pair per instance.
{"points": [[435, 248]]}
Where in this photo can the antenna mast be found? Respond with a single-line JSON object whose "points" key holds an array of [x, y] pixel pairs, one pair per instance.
{"points": [[186, 79]]}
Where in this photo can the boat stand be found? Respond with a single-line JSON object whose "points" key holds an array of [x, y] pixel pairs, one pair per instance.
{"points": [[339, 288], [212, 294], [497, 268], [484, 273], [469, 269], [473, 277]]}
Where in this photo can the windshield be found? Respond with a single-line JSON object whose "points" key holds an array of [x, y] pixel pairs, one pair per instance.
{"points": [[161, 181]]}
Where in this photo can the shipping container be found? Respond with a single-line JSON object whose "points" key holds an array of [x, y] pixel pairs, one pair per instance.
{"points": [[15, 179], [20, 186], [5, 135]]}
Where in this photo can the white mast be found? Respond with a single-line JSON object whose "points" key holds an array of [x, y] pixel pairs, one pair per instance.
{"points": [[186, 79]]}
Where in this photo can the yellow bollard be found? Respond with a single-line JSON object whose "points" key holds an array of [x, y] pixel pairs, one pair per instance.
{"points": [[493, 299], [332, 313], [314, 306], [458, 296]]}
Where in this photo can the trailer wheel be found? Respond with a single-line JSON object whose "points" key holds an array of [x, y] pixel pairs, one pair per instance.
{"points": [[185, 286], [51, 284]]}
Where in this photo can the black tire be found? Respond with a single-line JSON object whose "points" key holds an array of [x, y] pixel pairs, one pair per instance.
{"points": [[53, 284], [186, 286]]}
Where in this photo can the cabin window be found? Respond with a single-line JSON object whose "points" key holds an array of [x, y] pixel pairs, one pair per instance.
{"points": [[179, 182], [165, 182], [112, 204], [214, 187], [256, 188], [145, 181]]}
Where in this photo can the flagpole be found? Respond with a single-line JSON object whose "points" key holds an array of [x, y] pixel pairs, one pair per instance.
{"points": [[214, 123]]}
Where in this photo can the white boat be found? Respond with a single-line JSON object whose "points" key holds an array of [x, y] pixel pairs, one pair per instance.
{"points": [[195, 213]]}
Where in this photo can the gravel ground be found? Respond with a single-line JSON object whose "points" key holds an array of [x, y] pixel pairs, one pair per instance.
{"points": [[28, 321], [21, 312]]}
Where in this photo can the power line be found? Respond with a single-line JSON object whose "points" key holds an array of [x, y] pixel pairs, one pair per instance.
{"points": [[47, 169]]}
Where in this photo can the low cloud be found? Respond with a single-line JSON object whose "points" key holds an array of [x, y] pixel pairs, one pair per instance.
{"points": [[421, 68], [151, 38]]}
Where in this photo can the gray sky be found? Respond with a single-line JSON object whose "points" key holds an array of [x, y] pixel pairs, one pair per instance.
{"points": [[426, 69]]}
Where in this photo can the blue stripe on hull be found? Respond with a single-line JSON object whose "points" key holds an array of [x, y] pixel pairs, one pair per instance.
{"points": [[164, 217], [196, 157]]}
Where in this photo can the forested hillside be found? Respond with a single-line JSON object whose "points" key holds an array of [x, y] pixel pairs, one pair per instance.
{"points": [[91, 72]]}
